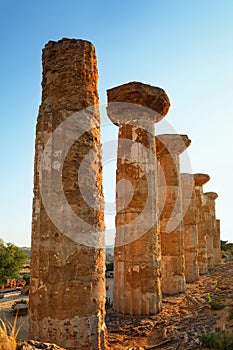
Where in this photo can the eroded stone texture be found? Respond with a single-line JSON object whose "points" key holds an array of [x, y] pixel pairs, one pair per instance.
{"points": [[134, 107], [190, 232], [212, 232], [217, 242], [67, 296], [168, 148], [199, 181]]}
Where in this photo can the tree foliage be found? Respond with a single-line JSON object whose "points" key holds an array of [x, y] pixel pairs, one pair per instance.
{"points": [[109, 266], [12, 259], [225, 246]]}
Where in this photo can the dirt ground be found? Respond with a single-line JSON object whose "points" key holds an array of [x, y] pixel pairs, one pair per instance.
{"points": [[182, 319]]}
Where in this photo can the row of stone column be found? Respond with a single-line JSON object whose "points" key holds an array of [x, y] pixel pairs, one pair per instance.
{"points": [[183, 241], [158, 245]]}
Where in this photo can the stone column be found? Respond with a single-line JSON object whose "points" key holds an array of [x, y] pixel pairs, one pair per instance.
{"points": [[212, 234], [67, 296], [134, 108], [199, 181], [190, 228], [210, 225], [217, 243], [169, 147]]}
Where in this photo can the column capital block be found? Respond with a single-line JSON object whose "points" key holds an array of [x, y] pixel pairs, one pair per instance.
{"points": [[201, 179], [171, 144], [132, 101], [211, 195]]}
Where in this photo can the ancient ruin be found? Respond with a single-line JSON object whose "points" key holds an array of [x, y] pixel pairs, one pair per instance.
{"points": [[213, 230], [134, 108], [190, 231], [209, 227], [199, 181], [166, 228], [67, 296], [217, 242], [168, 148]]}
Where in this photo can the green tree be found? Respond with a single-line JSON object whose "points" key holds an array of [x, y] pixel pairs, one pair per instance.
{"points": [[12, 259], [109, 266]]}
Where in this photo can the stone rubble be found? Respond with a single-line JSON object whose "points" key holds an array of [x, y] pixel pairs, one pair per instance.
{"points": [[33, 345]]}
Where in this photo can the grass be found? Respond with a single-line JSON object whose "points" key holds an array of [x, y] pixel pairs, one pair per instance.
{"points": [[8, 334], [216, 283], [222, 340], [213, 304]]}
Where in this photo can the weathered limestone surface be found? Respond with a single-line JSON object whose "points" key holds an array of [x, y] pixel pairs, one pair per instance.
{"points": [[67, 296], [212, 233], [199, 181], [190, 232], [134, 107], [168, 148], [217, 243]]}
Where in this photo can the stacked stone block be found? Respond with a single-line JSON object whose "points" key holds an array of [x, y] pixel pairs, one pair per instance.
{"points": [[134, 108], [67, 295], [169, 147], [190, 231]]}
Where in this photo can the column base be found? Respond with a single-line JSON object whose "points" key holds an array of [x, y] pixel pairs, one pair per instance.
{"points": [[72, 334]]}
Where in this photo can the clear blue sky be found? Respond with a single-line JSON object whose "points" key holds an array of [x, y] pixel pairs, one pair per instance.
{"points": [[185, 47]]}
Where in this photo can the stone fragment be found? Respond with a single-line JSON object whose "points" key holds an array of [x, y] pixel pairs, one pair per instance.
{"points": [[134, 107], [33, 345], [67, 295], [168, 148], [199, 181], [190, 232]]}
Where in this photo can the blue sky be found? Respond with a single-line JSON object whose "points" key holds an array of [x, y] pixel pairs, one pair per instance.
{"points": [[182, 46]]}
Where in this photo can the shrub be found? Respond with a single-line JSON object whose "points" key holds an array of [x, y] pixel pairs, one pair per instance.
{"points": [[22, 301], [215, 305], [209, 340], [222, 340]]}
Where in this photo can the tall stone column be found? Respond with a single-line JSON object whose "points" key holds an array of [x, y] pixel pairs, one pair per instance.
{"points": [[212, 234], [210, 225], [134, 108], [67, 296], [217, 243], [168, 148], [190, 228], [199, 181]]}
